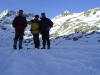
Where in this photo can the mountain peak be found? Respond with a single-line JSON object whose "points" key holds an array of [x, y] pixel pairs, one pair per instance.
{"points": [[8, 13], [96, 9], [7, 16], [65, 13]]}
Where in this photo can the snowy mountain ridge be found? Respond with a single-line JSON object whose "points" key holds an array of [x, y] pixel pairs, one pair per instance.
{"points": [[65, 13], [7, 16], [76, 22], [65, 24]]}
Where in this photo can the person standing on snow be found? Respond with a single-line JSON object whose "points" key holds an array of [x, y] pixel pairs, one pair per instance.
{"points": [[35, 30], [45, 26], [19, 23]]}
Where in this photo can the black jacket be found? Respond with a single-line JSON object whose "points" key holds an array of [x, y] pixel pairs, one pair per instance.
{"points": [[19, 23], [45, 25]]}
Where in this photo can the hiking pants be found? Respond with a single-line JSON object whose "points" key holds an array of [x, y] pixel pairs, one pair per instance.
{"points": [[45, 38], [18, 36], [36, 40]]}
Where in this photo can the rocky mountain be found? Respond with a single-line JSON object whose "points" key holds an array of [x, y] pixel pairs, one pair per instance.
{"points": [[7, 16], [66, 24], [76, 22]]}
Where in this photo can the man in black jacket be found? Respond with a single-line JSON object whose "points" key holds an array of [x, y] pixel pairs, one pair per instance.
{"points": [[19, 23], [45, 25]]}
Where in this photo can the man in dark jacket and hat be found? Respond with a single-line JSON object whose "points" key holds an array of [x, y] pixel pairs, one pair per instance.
{"points": [[45, 25], [19, 23]]}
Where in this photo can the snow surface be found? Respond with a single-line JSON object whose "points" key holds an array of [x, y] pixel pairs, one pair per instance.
{"points": [[66, 57]]}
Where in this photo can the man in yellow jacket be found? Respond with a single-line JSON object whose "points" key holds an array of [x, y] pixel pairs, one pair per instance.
{"points": [[35, 30]]}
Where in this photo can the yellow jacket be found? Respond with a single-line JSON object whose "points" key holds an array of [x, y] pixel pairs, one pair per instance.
{"points": [[34, 27]]}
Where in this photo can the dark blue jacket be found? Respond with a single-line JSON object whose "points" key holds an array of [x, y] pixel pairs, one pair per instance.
{"points": [[45, 25]]}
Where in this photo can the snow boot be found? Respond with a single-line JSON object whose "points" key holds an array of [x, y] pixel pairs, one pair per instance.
{"points": [[14, 47], [37, 47], [20, 47], [15, 43], [43, 47], [48, 47]]}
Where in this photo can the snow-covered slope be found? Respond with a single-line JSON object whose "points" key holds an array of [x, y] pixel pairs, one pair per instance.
{"points": [[7, 16], [65, 57], [76, 22]]}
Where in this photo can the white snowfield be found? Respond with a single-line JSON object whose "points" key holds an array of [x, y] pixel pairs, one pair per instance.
{"points": [[65, 57]]}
